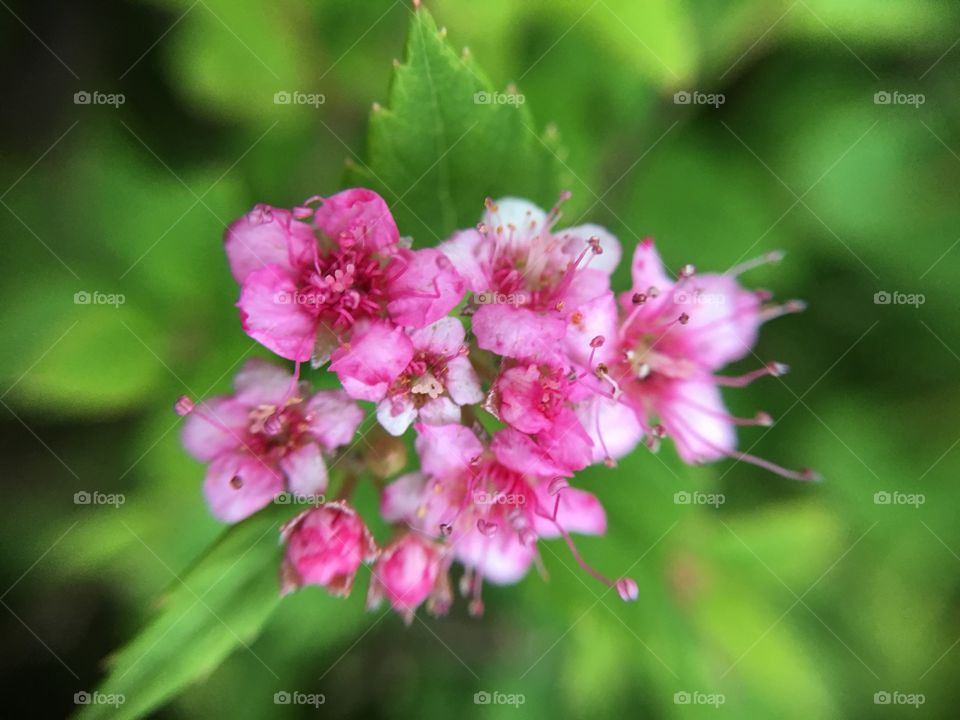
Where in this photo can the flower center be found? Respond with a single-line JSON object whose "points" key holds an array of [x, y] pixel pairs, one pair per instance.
{"points": [[344, 285]]}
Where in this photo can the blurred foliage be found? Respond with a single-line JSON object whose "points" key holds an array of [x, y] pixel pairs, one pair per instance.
{"points": [[793, 601]]}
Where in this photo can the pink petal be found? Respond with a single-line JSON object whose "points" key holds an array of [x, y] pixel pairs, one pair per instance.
{"points": [[520, 399], [261, 382], [598, 318], [566, 443], [333, 418], [271, 318], [647, 268], [611, 425], [305, 470], [462, 382], [267, 236], [402, 497], [396, 414], [724, 319], [523, 215], [470, 254], [520, 453], [216, 426], [501, 559], [423, 286], [440, 411], [447, 450], [518, 332], [359, 215], [377, 353], [258, 485], [578, 511], [444, 337], [575, 239], [693, 414]]}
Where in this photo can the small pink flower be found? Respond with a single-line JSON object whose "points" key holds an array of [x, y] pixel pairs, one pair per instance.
{"points": [[535, 284], [489, 505], [664, 358], [307, 276], [437, 380], [325, 546], [406, 573], [268, 437]]}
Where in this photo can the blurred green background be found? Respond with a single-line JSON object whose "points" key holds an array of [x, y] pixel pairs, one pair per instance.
{"points": [[792, 601]]}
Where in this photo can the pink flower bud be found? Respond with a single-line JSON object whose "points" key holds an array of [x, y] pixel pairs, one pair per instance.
{"points": [[406, 574], [325, 546]]}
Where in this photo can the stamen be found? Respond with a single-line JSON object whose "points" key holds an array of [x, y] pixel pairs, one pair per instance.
{"points": [[771, 257], [774, 369], [184, 406]]}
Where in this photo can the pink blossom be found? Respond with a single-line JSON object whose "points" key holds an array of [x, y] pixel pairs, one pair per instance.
{"points": [[536, 281], [663, 360], [269, 436], [491, 505], [307, 276], [406, 572], [325, 546]]}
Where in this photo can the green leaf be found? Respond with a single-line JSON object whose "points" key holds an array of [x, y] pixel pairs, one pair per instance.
{"points": [[448, 138], [220, 603]]}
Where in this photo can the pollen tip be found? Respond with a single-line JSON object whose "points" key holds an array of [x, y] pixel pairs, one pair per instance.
{"points": [[639, 298], [795, 306], [687, 270], [763, 419], [475, 608], [810, 475], [609, 462], [236, 482], [627, 589], [557, 484], [684, 318], [597, 341], [184, 406], [777, 369]]}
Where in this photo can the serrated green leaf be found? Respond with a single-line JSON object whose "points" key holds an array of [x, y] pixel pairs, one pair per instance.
{"points": [[448, 138], [219, 604]]}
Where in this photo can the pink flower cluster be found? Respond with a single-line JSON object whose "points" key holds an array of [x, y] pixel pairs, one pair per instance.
{"points": [[541, 372]]}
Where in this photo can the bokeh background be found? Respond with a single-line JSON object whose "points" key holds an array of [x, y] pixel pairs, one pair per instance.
{"points": [[790, 600]]}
